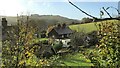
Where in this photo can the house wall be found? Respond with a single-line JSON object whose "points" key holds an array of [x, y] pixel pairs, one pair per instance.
{"points": [[64, 41]]}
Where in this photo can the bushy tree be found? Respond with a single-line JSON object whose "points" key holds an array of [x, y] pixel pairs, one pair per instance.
{"points": [[77, 39], [108, 50], [86, 20], [16, 48]]}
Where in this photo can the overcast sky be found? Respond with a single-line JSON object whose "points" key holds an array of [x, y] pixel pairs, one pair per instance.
{"points": [[55, 7]]}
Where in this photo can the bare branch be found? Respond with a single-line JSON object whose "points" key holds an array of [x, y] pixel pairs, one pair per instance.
{"points": [[82, 10], [116, 10], [107, 12]]}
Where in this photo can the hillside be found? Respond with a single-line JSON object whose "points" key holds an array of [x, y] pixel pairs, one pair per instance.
{"points": [[88, 27], [53, 19]]}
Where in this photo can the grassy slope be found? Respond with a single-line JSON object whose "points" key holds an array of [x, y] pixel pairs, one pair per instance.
{"points": [[89, 27], [84, 27], [76, 59]]}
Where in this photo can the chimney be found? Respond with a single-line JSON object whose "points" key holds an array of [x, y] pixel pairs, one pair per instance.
{"points": [[58, 26], [63, 25], [4, 22]]}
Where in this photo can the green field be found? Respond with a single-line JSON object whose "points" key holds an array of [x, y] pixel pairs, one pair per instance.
{"points": [[89, 27], [75, 59]]}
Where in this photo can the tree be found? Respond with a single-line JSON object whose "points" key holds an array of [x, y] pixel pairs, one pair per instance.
{"points": [[17, 47], [86, 20], [107, 51], [77, 39]]}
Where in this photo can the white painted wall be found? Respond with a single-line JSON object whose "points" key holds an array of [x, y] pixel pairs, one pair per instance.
{"points": [[64, 41]]}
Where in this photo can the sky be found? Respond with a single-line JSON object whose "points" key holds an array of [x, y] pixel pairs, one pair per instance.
{"points": [[55, 7]]}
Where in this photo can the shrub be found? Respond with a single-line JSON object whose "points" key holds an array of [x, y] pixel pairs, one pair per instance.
{"points": [[77, 39], [16, 50], [58, 46], [44, 41], [93, 38], [108, 49]]}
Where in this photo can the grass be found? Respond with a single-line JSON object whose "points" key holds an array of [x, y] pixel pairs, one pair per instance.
{"points": [[42, 39], [84, 27], [89, 27], [76, 59], [39, 39]]}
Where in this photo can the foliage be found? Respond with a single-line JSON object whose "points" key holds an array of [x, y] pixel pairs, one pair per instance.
{"points": [[44, 41], [49, 29], [57, 46], [43, 34], [54, 60], [86, 20], [92, 38], [16, 49], [37, 40], [77, 39], [73, 59], [108, 49]]}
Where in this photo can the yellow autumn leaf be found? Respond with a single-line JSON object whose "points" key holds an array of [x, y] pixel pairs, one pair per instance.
{"points": [[21, 62]]}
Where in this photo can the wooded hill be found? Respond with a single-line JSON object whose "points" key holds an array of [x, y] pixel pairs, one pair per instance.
{"points": [[50, 19]]}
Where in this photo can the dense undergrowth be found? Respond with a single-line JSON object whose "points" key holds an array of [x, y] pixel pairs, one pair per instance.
{"points": [[107, 50]]}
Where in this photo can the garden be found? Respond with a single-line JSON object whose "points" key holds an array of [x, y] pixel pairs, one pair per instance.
{"points": [[93, 49]]}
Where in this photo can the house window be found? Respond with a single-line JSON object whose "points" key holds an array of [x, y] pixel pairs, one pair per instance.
{"points": [[53, 36], [67, 35], [62, 36]]}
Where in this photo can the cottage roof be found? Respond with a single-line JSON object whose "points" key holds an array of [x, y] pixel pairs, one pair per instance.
{"points": [[65, 30]]}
